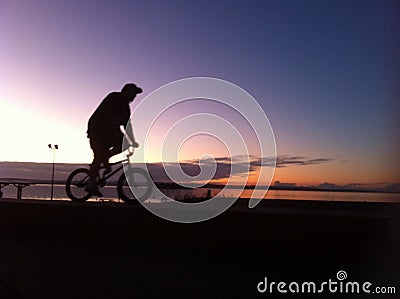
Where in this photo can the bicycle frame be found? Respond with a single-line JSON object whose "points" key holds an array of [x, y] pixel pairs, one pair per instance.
{"points": [[104, 177], [76, 185]]}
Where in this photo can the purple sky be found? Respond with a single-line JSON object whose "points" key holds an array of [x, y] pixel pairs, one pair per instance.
{"points": [[325, 72]]}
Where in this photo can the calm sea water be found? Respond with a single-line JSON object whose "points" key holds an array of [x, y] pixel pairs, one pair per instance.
{"points": [[43, 192]]}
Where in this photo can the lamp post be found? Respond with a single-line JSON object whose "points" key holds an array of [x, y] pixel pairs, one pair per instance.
{"points": [[54, 148]]}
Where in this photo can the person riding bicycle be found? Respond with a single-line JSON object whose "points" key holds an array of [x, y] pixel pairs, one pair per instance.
{"points": [[104, 130]]}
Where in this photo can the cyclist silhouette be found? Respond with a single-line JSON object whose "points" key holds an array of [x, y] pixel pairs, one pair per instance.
{"points": [[104, 130]]}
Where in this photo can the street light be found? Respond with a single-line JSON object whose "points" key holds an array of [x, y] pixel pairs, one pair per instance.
{"points": [[54, 148]]}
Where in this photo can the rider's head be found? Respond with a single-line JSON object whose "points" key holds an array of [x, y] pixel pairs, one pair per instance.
{"points": [[130, 91]]}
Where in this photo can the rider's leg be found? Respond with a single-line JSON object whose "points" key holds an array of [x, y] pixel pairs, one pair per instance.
{"points": [[115, 149], [99, 156]]}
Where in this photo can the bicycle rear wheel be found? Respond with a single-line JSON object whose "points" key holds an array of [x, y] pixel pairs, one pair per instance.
{"points": [[76, 184], [139, 180]]}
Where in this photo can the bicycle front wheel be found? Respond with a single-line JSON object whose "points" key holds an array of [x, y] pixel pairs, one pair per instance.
{"points": [[139, 181], [76, 184]]}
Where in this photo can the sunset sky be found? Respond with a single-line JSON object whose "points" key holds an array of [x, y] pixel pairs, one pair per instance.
{"points": [[326, 73]]}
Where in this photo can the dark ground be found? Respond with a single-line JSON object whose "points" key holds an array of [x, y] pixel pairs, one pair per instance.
{"points": [[107, 250]]}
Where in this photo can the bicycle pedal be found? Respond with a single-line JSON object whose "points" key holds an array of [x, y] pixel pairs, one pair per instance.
{"points": [[94, 192]]}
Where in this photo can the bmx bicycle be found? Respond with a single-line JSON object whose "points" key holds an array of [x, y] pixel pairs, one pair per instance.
{"points": [[133, 177]]}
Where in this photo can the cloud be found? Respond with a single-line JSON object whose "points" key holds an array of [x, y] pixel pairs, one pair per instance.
{"points": [[286, 161], [191, 168], [225, 167], [237, 165]]}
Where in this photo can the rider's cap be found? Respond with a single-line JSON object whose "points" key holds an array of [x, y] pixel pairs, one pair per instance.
{"points": [[130, 87]]}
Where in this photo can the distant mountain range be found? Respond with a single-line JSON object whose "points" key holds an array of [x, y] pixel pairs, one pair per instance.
{"points": [[354, 187]]}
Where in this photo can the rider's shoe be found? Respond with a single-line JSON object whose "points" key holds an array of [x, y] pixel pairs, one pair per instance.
{"points": [[96, 192], [91, 187]]}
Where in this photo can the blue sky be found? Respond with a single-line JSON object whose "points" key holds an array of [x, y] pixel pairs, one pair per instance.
{"points": [[325, 72]]}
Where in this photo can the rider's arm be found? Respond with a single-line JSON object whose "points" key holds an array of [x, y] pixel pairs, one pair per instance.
{"points": [[128, 134]]}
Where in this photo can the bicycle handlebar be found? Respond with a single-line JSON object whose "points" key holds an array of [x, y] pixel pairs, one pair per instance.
{"points": [[131, 150], [132, 144]]}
